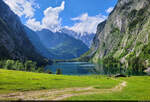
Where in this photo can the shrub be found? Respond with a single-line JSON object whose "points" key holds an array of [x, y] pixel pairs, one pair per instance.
{"points": [[49, 71], [30, 66], [40, 69], [9, 64], [58, 71]]}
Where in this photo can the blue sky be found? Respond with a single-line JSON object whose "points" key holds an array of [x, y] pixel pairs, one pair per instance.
{"points": [[55, 14]]}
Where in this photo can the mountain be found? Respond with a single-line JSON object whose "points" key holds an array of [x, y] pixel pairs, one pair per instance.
{"points": [[37, 43], [61, 45], [124, 36], [14, 43], [86, 37]]}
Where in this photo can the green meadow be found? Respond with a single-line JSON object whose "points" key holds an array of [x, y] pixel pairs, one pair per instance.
{"points": [[137, 87], [13, 81]]}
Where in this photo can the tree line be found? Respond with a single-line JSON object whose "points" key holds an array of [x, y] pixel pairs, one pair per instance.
{"points": [[28, 65]]}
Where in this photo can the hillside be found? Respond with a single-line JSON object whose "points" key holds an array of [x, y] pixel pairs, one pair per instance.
{"points": [[14, 43], [37, 43], [85, 37], [61, 45], [124, 36]]}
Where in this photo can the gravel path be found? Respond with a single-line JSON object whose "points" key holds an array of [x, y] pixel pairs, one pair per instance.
{"points": [[59, 94]]}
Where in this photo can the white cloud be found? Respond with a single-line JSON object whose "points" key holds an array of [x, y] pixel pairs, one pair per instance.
{"points": [[23, 7], [86, 23], [51, 19], [110, 9], [34, 25]]}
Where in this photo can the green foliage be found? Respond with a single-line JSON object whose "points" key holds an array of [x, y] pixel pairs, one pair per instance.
{"points": [[30, 66], [103, 45], [133, 24], [138, 17], [137, 65], [112, 65], [22, 66], [84, 57], [115, 30], [58, 71], [131, 55], [40, 69], [132, 14], [146, 51], [145, 54], [9, 64], [125, 52], [1, 64], [49, 71]]}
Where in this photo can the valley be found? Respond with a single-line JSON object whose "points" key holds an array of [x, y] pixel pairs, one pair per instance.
{"points": [[47, 52]]}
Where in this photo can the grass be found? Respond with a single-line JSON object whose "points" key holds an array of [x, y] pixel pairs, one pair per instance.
{"points": [[138, 88], [13, 81]]}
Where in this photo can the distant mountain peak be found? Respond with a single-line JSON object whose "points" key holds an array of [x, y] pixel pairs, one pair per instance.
{"points": [[87, 38], [62, 45]]}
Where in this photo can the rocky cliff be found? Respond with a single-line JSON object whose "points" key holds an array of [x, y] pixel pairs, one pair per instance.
{"points": [[126, 33], [14, 43]]}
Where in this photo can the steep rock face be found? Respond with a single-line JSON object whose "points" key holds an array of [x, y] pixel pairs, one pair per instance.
{"points": [[88, 56], [14, 43], [96, 40], [61, 45], [126, 32]]}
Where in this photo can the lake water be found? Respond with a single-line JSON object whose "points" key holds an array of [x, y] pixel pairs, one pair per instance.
{"points": [[86, 68], [74, 68]]}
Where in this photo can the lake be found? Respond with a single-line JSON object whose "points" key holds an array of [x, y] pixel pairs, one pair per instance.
{"points": [[75, 68], [86, 68]]}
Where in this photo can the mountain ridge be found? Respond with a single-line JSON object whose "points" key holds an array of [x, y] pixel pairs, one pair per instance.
{"points": [[14, 43], [61, 45], [124, 38], [85, 37]]}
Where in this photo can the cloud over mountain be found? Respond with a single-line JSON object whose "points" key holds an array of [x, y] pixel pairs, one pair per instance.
{"points": [[85, 23], [51, 19]]}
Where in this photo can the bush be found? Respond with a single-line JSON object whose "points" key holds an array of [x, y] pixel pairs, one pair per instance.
{"points": [[40, 69], [49, 71], [9, 65], [30, 66], [58, 71]]}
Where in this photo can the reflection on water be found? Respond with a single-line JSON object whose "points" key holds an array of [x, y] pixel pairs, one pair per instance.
{"points": [[86, 68], [74, 68]]}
